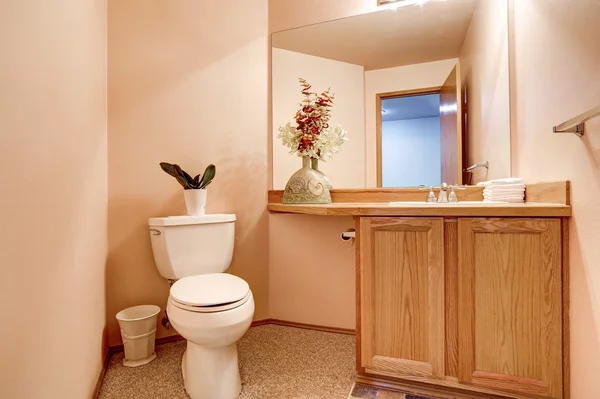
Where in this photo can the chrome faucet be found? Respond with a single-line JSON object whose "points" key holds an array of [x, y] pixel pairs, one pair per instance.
{"points": [[443, 197], [470, 170], [446, 195]]}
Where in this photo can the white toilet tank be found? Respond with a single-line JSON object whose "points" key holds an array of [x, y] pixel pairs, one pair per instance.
{"points": [[186, 246]]}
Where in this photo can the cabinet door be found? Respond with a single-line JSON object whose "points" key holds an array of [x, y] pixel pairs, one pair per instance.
{"points": [[402, 296], [510, 305]]}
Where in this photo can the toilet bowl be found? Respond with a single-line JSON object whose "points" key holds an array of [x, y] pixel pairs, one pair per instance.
{"points": [[212, 312], [211, 309]]}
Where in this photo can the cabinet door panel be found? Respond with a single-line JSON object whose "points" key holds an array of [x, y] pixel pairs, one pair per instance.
{"points": [[510, 305], [402, 296]]}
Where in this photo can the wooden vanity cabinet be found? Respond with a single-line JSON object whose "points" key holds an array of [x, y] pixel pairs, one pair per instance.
{"points": [[471, 307], [402, 294]]}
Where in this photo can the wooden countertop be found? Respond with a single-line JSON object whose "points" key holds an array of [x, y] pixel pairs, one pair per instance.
{"points": [[550, 199], [482, 209]]}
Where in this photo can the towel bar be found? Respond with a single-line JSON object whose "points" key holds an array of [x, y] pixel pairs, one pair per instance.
{"points": [[577, 125]]}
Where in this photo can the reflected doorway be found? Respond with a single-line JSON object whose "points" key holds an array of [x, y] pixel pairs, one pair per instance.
{"points": [[420, 135], [410, 139]]}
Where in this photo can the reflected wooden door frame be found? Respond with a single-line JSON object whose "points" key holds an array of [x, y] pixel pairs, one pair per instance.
{"points": [[393, 94]]}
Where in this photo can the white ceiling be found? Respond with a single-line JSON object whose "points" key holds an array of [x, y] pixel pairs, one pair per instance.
{"points": [[413, 107], [408, 35]]}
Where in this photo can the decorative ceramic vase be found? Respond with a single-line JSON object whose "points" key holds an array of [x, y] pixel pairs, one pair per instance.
{"points": [[314, 164], [306, 186], [195, 201]]}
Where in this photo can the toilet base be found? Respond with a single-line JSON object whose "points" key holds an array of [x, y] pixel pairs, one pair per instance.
{"points": [[210, 373]]}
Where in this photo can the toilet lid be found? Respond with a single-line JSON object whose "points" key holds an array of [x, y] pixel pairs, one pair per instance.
{"points": [[211, 309], [209, 289]]}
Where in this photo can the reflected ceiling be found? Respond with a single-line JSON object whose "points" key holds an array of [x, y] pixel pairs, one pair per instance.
{"points": [[433, 31], [414, 107]]}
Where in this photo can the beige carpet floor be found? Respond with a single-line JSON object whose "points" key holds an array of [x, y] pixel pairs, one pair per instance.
{"points": [[275, 362]]}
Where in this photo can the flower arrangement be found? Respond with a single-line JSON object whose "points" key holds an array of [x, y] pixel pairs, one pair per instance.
{"points": [[312, 136]]}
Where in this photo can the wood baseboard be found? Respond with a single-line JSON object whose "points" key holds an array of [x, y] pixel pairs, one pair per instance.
{"points": [[306, 326], [105, 360], [262, 322], [158, 341]]}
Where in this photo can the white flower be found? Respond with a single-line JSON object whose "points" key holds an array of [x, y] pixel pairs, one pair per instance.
{"points": [[331, 142], [290, 137]]}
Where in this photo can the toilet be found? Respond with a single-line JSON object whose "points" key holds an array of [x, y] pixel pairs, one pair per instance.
{"points": [[211, 309]]}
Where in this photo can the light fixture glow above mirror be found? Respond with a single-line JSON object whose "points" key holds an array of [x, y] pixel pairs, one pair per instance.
{"points": [[395, 4], [444, 109]]}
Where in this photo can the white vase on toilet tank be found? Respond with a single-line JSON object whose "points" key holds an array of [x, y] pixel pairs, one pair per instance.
{"points": [[211, 309]]}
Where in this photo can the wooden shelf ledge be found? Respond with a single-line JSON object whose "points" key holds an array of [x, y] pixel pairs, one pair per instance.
{"points": [[446, 210]]}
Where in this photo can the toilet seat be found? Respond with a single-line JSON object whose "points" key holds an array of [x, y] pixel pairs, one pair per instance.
{"points": [[211, 309], [210, 293]]}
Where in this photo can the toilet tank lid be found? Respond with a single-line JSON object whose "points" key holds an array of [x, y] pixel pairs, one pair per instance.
{"points": [[185, 220]]}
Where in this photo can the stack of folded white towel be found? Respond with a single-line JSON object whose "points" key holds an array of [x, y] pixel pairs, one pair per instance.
{"points": [[504, 190]]}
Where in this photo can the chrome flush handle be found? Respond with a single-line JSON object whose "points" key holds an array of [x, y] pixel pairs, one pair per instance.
{"points": [[155, 232]]}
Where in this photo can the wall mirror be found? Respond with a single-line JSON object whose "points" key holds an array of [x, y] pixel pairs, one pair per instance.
{"points": [[422, 88]]}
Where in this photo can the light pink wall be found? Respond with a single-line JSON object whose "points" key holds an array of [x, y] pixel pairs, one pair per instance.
{"points": [[347, 168], [557, 76], [187, 84], [311, 274], [408, 77], [485, 73], [53, 179]]}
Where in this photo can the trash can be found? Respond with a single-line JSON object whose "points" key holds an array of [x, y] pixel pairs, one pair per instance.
{"points": [[138, 330]]}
